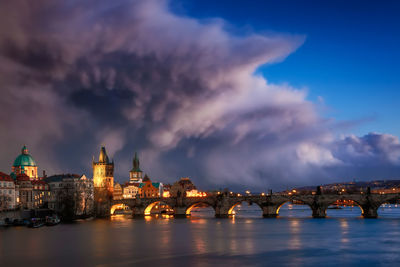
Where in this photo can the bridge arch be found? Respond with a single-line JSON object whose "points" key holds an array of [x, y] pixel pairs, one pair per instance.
{"points": [[290, 201], [389, 208], [119, 206], [281, 205], [232, 211], [346, 202], [198, 205], [147, 210]]}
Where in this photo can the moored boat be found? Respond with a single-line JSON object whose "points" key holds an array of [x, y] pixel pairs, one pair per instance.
{"points": [[52, 220], [36, 223]]}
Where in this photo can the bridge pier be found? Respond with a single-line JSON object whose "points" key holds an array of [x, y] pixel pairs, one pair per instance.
{"points": [[222, 211], [180, 212], [270, 211], [370, 212], [319, 212], [138, 212]]}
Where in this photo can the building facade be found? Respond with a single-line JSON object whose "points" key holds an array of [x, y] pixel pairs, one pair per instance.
{"points": [[71, 194], [183, 187], [25, 191], [147, 189], [130, 190], [118, 193], [40, 194], [8, 192]]}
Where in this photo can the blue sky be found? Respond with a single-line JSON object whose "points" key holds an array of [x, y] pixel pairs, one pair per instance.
{"points": [[349, 58]]}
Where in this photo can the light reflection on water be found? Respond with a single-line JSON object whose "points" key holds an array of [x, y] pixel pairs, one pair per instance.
{"points": [[246, 239]]}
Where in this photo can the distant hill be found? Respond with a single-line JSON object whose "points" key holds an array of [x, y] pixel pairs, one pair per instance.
{"points": [[377, 184]]}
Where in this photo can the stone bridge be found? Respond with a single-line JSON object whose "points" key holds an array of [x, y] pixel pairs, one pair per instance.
{"points": [[223, 204]]}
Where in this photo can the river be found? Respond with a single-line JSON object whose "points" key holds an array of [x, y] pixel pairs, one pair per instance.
{"points": [[294, 239]]}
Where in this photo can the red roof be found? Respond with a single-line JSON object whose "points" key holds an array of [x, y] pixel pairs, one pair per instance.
{"points": [[38, 182], [130, 183], [22, 177], [5, 177]]}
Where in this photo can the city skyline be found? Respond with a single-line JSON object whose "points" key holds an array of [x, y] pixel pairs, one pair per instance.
{"points": [[199, 133], [224, 97]]}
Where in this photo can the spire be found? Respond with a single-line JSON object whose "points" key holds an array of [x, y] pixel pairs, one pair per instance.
{"points": [[24, 150], [136, 163], [103, 158], [146, 178]]}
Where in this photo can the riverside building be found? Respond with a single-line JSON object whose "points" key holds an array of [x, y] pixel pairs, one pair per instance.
{"points": [[71, 193], [8, 192]]}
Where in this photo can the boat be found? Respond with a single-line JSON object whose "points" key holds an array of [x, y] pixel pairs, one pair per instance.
{"points": [[36, 223], [167, 212], [52, 220]]}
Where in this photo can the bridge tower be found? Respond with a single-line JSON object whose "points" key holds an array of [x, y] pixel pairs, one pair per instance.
{"points": [[103, 181], [135, 175]]}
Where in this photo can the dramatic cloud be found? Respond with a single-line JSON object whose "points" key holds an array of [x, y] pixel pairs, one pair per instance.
{"points": [[134, 76]]}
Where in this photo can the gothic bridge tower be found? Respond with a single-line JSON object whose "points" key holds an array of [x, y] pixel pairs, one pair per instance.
{"points": [[103, 181], [135, 175]]}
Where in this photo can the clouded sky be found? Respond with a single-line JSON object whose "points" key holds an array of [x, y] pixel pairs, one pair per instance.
{"points": [[265, 95]]}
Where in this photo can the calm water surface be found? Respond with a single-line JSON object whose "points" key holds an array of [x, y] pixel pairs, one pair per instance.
{"points": [[294, 239]]}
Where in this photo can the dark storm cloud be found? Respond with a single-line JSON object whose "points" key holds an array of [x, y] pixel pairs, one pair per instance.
{"points": [[372, 149], [134, 76]]}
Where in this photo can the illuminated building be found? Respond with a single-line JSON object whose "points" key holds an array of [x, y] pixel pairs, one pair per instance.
{"points": [[117, 191], [147, 189], [166, 190], [25, 189], [195, 193], [383, 191], [24, 163], [135, 175], [103, 182], [183, 187], [130, 190], [103, 172], [40, 193]]}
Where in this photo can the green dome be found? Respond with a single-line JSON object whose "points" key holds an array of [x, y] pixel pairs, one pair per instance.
{"points": [[24, 159]]}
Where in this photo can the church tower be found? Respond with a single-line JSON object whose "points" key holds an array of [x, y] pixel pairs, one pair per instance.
{"points": [[135, 175], [24, 163], [103, 172]]}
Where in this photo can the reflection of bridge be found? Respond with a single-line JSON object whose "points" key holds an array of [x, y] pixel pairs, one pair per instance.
{"points": [[223, 204]]}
